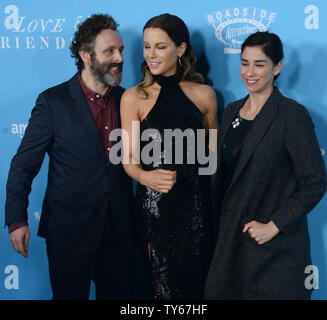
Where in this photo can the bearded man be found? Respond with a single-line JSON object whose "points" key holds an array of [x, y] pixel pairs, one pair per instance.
{"points": [[87, 209]]}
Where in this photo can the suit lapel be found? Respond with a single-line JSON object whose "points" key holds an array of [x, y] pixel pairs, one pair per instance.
{"points": [[256, 133], [84, 114]]}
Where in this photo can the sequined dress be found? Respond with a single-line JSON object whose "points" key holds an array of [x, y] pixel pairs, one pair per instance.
{"points": [[176, 224]]}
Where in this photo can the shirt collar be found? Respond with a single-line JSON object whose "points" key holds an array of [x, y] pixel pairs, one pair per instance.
{"points": [[90, 94]]}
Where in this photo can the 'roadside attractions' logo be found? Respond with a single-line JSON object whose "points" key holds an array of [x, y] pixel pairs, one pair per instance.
{"points": [[232, 26]]}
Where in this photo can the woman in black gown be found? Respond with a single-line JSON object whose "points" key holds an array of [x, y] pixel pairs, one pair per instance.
{"points": [[172, 198]]}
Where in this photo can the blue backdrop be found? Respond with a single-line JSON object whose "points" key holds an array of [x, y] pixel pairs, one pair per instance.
{"points": [[34, 53]]}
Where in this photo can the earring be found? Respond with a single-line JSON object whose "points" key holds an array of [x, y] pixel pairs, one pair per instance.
{"points": [[179, 61]]}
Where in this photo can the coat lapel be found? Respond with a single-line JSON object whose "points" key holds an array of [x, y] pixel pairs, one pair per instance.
{"points": [[260, 126], [228, 119], [228, 116], [84, 114]]}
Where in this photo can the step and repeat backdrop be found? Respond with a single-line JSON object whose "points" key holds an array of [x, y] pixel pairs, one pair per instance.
{"points": [[34, 54]]}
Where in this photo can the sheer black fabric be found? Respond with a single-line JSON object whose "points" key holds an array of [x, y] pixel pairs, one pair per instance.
{"points": [[177, 224]]}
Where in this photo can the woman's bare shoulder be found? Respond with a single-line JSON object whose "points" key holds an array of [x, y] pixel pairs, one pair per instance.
{"points": [[131, 97], [202, 94], [199, 89], [131, 93]]}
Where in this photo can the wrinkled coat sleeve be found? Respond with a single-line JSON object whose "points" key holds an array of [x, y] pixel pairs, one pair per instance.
{"points": [[28, 160], [308, 164]]}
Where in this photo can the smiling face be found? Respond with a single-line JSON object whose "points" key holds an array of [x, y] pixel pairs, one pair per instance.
{"points": [[106, 61], [160, 52], [257, 70]]}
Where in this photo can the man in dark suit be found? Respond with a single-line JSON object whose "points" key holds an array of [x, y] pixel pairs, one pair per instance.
{"points": [[87, 208]]}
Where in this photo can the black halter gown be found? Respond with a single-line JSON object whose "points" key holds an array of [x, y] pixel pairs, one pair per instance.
{"points": [[177, 224]]}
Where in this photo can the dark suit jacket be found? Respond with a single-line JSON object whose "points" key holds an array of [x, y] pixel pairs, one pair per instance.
{"points": [[81, 182], [280, 176]]}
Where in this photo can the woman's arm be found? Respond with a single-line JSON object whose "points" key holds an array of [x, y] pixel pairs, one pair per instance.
{"points": [[160, 180], [210, 120], [308, 165]]}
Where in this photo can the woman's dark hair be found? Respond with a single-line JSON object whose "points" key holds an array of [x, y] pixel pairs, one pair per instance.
{"points": [[178, 33], [270, 43], [84, 37]]}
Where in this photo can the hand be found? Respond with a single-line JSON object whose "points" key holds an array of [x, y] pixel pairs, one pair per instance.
{"points": [[261, 232], [160, 180], [19, 240]]}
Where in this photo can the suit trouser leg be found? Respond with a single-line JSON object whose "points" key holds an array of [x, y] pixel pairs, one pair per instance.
{"points": [[70, 274], [110, 267], [112, 275]]}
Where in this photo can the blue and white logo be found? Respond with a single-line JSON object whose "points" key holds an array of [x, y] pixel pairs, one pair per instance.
{"points": [[232, 26], [24, 32], [18, 129]]}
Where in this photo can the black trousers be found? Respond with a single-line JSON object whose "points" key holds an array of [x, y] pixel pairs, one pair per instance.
{"points": [[71, 273]]}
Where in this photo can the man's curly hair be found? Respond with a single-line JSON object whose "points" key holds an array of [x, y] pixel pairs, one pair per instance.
{"points": [[84, 37]]}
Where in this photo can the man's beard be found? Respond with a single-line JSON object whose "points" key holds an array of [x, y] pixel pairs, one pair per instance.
{"points": [[101, 73]]}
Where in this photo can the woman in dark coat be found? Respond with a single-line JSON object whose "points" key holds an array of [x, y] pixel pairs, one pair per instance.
{"points": [[270, 175]]}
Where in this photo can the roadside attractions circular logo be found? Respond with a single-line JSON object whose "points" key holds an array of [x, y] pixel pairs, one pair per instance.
{"points": [[233, 25]]}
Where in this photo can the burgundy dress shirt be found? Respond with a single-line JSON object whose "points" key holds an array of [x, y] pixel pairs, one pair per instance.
{"points": [[103, 112]]}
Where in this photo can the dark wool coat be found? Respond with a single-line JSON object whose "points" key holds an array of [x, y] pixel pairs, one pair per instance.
{"points": [[280, 176]]}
